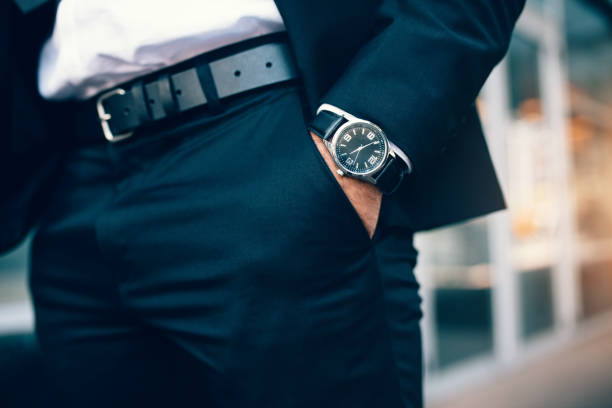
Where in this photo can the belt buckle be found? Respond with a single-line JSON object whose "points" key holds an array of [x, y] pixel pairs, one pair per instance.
{"points": [[105, 117]]}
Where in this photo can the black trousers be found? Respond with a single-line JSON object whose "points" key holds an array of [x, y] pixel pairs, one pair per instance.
{"points": [[218, 264]]}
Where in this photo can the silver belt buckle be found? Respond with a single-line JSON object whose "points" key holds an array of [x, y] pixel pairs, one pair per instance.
{"points": [[105, 117]]}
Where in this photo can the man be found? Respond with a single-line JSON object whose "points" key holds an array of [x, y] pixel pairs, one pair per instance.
{"points": [[227, 192]]}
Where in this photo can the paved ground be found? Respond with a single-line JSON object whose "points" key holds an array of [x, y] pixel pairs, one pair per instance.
{"points": [[579, 376]]}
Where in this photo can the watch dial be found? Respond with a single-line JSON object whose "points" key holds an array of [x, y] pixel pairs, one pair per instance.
{"points": [[361, 148]]}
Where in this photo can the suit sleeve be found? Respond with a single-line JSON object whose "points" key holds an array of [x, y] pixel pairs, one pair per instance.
{"points": [[28, 155], [420, 74]]}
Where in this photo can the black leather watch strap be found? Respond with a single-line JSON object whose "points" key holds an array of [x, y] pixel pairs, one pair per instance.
{"points": [[391, 175], [326, 123]]}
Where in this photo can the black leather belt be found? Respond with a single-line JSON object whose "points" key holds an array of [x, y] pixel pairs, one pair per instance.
{"points": [[200, 82]]}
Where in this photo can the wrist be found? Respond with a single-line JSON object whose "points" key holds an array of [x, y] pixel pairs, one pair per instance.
{"points": [[365, 197], [337, 171]]}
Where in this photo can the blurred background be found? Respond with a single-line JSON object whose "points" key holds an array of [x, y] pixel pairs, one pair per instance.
{"points": [[518, 305]]}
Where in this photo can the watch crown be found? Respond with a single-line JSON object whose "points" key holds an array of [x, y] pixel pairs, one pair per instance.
{"points": [[340, 172]]}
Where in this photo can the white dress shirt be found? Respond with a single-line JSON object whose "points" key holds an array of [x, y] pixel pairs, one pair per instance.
{"points": [[97, 44]]}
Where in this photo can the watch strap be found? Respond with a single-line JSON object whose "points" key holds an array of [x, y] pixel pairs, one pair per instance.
{"points": [[391, 175], [326, 123]]}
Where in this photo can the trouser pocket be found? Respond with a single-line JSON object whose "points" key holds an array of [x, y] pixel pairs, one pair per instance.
{"points": [[259, 177]]}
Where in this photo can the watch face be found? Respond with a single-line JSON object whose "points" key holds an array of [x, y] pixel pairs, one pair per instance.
{"points": [[361, 148]]}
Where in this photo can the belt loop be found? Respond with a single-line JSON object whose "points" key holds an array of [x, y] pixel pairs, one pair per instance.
{"points": [[140, 103], [208, 87], [159, 98]]}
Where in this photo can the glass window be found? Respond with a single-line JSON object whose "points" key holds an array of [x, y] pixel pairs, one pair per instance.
{"points": [[458, 260], [523, 66], [596, 283], [535, 288]]}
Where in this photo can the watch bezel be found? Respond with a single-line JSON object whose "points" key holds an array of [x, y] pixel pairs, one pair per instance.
{"points": [[334, 141]]}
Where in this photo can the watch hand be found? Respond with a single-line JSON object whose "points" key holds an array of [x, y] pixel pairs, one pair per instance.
{"points": [[357, 155], [360, 148], [371, 143], [357, 149]]}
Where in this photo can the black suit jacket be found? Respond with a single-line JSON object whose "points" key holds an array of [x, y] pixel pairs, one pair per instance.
{"points": [[414, 67]]}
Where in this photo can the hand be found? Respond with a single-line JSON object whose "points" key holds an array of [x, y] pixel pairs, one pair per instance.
{"points": [[365, 197]]}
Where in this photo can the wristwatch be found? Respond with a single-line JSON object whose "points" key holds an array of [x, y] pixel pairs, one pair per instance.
{"points": [[360, 148]]}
